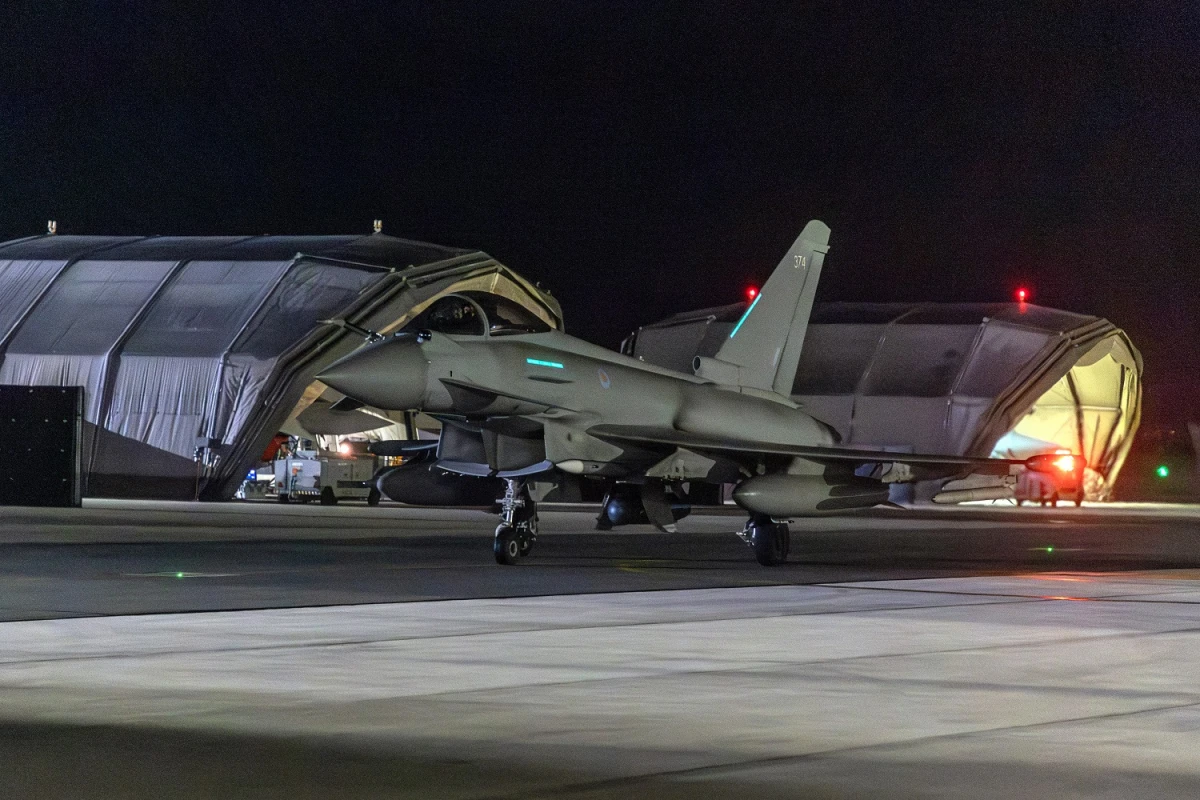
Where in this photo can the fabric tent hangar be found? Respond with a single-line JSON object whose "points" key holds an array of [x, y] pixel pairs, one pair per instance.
{"points": [[966, 379], [194, 351]]}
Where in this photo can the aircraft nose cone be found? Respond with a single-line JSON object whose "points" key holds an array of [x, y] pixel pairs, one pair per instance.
{"points": [[390, 375]]}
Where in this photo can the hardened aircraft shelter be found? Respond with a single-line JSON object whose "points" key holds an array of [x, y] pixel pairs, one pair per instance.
{"points": [[194, 351], [1007, 380]]}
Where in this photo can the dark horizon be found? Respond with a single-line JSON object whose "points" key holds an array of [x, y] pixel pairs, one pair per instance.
{"points": [[640, 162]]}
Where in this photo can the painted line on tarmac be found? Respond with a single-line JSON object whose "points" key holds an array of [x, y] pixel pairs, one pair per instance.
{"points": [[178, 575]]}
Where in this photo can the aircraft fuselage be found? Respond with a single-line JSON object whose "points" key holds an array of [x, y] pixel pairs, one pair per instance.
{"points": [[566, 385]]}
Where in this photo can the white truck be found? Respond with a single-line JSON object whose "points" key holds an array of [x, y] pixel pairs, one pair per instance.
{"points": [[325, 478]]}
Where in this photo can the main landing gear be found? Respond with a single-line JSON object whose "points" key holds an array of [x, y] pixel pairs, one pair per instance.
{"points": [[517, 530], [771, 540]]}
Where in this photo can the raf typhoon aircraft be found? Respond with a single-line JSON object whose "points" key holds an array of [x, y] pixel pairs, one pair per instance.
{"points": [[518, 399]]}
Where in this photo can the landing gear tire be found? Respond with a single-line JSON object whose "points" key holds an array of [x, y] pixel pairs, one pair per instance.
{"points": [[507, 546], [518, 524], [328, 498], [373, 497], [771, 542], [283, 498]]}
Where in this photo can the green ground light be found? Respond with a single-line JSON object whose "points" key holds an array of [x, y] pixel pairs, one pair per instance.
{"points": [[1162, 471]]}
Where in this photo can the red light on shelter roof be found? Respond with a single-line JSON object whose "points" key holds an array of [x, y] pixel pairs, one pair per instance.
{"points": [[1022, 295], [751, 292]]}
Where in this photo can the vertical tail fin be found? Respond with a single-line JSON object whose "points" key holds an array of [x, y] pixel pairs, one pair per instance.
{"points": [[766, 342]]}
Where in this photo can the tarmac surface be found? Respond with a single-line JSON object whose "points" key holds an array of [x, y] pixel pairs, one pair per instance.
{"points": [[257, 650]]}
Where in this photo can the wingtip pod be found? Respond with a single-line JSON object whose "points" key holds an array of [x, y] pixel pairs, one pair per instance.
{"points": [[765, 343], [1065, 463]]}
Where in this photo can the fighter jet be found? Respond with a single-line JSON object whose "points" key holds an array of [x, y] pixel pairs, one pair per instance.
{"points": [[518, 400]]}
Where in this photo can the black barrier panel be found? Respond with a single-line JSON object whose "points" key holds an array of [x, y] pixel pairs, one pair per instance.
{"points": [[40, 431]]}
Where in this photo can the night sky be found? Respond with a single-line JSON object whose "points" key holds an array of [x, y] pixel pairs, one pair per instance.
{"points": [[642, 158]]}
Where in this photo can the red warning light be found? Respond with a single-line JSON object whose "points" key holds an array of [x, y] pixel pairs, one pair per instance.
{"points": [[751, 292], [1065, 463], [1022, 295]]}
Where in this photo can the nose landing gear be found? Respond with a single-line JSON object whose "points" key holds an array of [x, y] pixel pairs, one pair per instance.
{"points": [[770, 540], [517, 530]]}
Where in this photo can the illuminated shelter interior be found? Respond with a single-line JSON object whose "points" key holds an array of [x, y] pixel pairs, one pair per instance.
{"points": [[207, 346], [1007, 379]]}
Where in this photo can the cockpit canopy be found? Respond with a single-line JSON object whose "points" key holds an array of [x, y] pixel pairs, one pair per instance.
{"points": [[477, 314]]}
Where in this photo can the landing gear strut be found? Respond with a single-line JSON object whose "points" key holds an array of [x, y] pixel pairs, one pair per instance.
{"points": [[771, 540], [517, 530]]}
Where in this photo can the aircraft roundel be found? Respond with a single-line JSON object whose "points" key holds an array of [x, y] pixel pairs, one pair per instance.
{"points": [[605, 381]]}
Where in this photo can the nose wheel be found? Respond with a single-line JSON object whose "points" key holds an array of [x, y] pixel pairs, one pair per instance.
{"points": [[517, 530], [506, 546]]}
